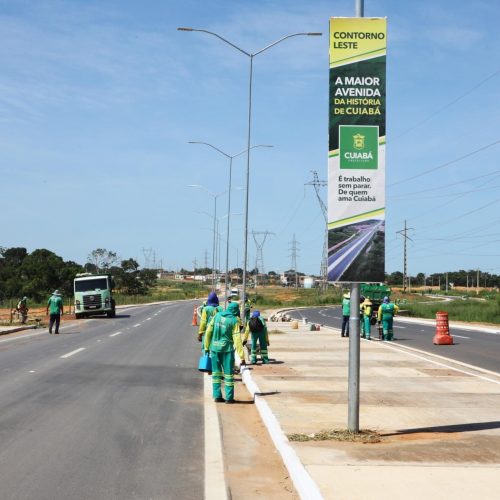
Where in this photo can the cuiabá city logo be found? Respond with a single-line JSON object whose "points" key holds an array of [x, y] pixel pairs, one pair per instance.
{"points": [[358, 146]]}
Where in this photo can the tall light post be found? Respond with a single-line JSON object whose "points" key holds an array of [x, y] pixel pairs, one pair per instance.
{"points": [[229, 195], [215, 196], [251, 56]]}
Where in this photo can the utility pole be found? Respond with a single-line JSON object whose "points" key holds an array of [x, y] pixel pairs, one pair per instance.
{"points": [[259, 259], [446, 282], [477, 283], [317, 184], [294, 250], [404, 233]]}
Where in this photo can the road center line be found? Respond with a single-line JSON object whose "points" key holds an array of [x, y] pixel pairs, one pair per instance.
{"points": [[73, 352], [115, 334], [138, 324]]}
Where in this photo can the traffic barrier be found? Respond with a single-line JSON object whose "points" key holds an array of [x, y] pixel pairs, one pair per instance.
{"points": [[195, 317], [442, 336]]}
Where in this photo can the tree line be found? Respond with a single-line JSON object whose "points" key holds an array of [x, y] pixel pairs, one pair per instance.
{"points": [[460, 278], [37, 274]]}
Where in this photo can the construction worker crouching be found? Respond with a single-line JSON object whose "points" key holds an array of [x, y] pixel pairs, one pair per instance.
{"points": [[386, 313], [366, 309], [221, 339], [256, 325]]}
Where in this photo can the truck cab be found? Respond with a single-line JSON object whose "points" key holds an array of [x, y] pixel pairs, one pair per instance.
{"points": [[94, 295]]}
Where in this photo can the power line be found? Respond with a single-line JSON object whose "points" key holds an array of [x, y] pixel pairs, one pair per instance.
{"points": [[496, 173], [446, 106], [451, 162]]}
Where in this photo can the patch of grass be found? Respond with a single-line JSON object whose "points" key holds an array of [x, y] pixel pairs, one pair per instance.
{"points": [[363, 436], [277, 297], [275, 332], [484, 311]]}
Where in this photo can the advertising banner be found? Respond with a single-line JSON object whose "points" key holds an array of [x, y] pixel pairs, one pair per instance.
{"points": [[356, 160]]}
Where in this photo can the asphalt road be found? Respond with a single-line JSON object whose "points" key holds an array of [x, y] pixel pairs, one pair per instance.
{"points": [[474, 347], [107, 409]]}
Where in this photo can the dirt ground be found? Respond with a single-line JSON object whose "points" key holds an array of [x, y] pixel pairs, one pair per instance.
{"points": [[253, 466]]}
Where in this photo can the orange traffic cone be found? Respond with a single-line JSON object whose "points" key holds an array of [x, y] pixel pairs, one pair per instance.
{"points": [[195, 317], [442, 336]]}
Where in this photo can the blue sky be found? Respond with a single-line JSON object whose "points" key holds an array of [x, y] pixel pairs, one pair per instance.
{"points": [[98, 100]]}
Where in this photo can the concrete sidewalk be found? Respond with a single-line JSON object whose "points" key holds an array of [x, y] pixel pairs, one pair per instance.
{"points": [[438, 421]]}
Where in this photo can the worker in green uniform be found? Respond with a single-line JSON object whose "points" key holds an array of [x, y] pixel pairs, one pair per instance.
{"points": [[386, 313], [210, 309], [366, 309], [55, 307], [221, 339], [257, 327], [346, 312]]}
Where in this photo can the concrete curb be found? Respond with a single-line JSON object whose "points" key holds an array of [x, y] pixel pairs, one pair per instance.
{"points": [[17, 329], [303, 482]]}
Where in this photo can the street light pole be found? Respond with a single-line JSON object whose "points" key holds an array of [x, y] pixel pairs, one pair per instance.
{"points": [[215, 196], [250, 56], [229, 198]]}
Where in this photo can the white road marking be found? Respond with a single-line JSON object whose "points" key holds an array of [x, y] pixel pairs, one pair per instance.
{"points": [[147, 319], [460, 337], [32, 371], [115, 334], [215, 481], [138, 324], [399, 326], [73, 352]]}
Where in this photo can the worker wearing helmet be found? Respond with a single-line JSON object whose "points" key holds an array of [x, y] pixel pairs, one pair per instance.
{"points": [[346, 311], [221, 339], [256, 325], [211, 308], [366, 309], [386, 313]]}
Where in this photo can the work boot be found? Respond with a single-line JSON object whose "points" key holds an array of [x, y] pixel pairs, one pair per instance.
{"points": [[219, 400], [230, 401]]}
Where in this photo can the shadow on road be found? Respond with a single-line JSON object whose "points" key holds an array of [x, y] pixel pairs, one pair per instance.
{"points": [[477, 426]]}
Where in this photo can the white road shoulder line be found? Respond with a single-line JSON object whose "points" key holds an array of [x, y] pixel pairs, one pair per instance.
{"points": [[73, 352], [215, 480], [115, 334], [460, 337]]}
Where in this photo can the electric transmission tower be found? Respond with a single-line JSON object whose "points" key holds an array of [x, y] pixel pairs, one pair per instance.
{"points": [[147, 252], [259, 259], [317, 184], [206, 259], [293, 256], [404, 232]]}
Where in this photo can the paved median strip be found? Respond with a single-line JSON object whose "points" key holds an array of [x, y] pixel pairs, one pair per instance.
{"points": [[76, 351]]}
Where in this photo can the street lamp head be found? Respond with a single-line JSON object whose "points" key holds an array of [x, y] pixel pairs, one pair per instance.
{"points": [[314, 34], [185, 29]]}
